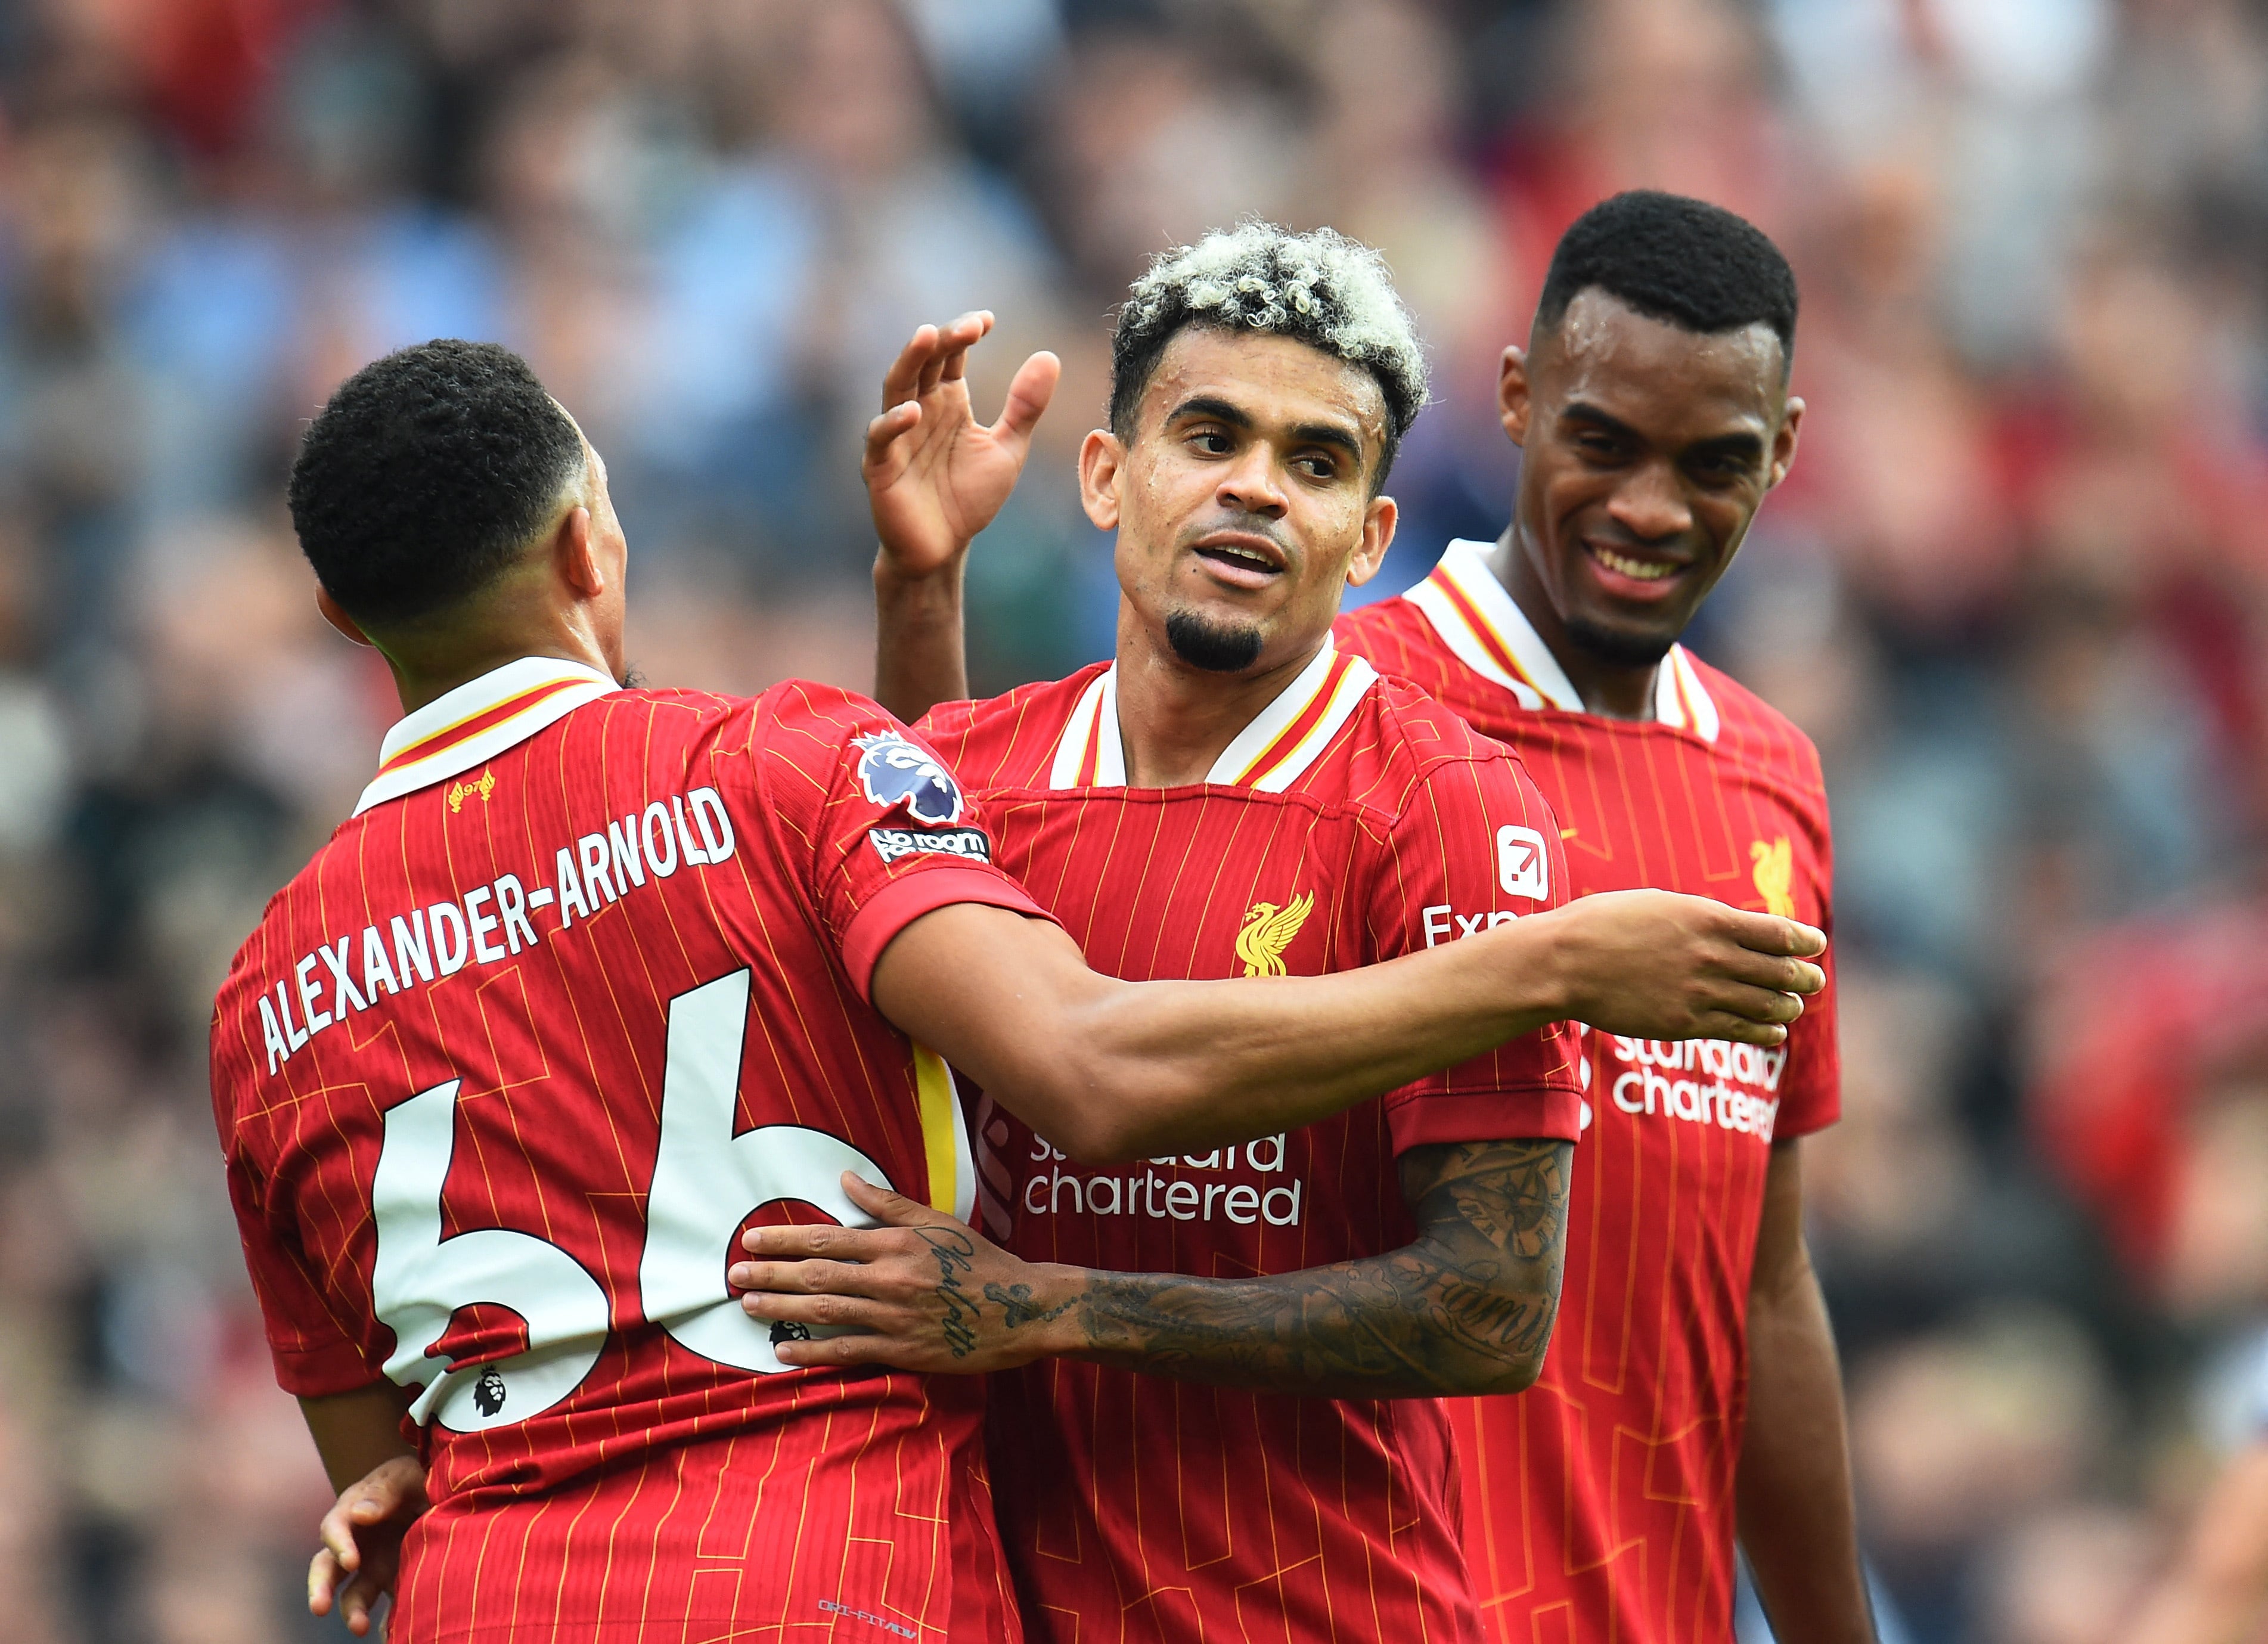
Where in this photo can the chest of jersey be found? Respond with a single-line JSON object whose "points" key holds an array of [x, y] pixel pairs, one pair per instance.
{"points": [[1197, 884]]}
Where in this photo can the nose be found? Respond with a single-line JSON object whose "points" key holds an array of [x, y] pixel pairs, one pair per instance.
{"points": [[1651, 503], [1251, 484]]}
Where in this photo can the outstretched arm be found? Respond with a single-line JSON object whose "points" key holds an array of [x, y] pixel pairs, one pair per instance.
{"points": [[935, 477], [1109, 1069], [1466, 1307], [1793, 1491]]}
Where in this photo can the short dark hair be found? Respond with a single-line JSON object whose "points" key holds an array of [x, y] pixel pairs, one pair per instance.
{"points": [[1675, 259], [1322, 289], [425, 476]]}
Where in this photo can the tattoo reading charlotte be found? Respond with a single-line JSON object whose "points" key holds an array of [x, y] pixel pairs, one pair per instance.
{"points": [[956, 1255]]}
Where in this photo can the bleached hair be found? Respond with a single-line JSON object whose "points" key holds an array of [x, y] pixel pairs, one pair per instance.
{"points": [[1322, 289]]}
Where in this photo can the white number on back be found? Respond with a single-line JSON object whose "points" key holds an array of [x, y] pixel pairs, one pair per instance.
{"points": [[420, 1278], [706, 1182]]}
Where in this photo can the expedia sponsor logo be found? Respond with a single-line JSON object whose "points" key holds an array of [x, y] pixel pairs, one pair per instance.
{"points": [[890, 843], [1702, 1081]]}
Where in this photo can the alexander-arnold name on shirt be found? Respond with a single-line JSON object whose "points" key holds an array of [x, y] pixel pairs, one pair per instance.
{"points": [[490, 922]]}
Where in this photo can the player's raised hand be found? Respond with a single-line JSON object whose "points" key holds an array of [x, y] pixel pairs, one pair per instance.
{"points": [[362, 1542], [935, 475], [1652, 964], [923, 1291]]}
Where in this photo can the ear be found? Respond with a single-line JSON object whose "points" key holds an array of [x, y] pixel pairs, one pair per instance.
{"points": [[1378, 523], [1782, 451], [336, 614], [1102, 460], [1512, 394], [575, 552]]}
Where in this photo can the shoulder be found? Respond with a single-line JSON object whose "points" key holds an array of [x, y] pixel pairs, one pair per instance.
{"points": [[1393, 635], [1403, 744], [1001, 740], [1754, 733]]}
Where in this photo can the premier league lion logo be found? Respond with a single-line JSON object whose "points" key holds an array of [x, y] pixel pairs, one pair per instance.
{"points": [[893, 771]]}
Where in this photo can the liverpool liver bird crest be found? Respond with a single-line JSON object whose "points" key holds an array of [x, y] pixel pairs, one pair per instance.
{"points": [[1775, 875], [1268, 931]]}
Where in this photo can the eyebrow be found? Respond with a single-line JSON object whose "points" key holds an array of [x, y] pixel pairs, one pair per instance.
{"points": [[1747, 445], [1336, 435]]}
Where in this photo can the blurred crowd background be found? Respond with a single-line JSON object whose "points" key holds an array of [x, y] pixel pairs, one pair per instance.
{"points": [[2017, 590]]}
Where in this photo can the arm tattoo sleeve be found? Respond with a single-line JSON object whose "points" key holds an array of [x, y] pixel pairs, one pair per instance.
{"points": [[1466, 1309]]}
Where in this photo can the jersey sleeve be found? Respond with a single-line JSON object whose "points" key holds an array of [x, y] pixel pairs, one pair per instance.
{"points": [[1475, 846], [879, 824], [1811, 1086], [314, 1355]]}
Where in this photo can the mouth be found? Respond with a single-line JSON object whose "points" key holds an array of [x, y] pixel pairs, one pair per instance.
{"points": [[1241, 559], [1636, 574]]}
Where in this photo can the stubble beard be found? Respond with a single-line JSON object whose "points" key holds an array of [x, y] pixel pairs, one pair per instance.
{"points": [[1614, 646]]}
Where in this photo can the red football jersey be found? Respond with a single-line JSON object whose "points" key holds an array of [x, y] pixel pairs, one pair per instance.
{"points": [[578, 993], [1352, 821], [1599, 1505]]}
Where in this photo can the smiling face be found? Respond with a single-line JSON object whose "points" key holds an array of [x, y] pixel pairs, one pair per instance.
{"points": [[1242, 497], [1646, 449]]}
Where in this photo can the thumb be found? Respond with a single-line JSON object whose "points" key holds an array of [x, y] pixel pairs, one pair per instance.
{"points": [[1028, 394], [894, 1209]]}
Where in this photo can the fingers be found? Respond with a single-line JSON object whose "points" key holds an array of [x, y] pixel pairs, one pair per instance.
{"points": [[959, 337], [323, 1573], [1780, 975], [1739, 1029], [1768, 933], [356, 1604], [337, 1531], [838, 1311], [822, 1241], [893, 1208], [806, 1278], [1755, 1003], [903, 377], [886, 430], [840, 1352], [1028, 394]]}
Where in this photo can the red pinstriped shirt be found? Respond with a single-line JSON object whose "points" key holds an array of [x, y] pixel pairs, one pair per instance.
{"points": [[578, 993], [1352, 820], [1600, 1503]]}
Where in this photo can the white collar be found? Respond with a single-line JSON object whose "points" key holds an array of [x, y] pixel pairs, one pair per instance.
{"points": [[478, 720], [1283, 739], [1485, 628]]}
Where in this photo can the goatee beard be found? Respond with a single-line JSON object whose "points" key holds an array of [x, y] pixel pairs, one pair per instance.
{"points": [[1613, 647], [1216, 647]]}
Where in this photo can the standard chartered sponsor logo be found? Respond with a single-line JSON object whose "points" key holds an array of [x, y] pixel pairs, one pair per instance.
{"points": [[1049, 1189], [1703, 1082]]}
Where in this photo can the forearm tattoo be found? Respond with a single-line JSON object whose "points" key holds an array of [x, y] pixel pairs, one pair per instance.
{"points": [[1468, 1307]]}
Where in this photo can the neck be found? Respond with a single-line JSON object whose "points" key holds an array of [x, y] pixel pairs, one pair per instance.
{"points": [[431, 657], [1612, 690], [1176, 720]]}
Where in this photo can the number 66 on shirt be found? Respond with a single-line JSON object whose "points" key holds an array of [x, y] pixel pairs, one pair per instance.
{"points": [[706, 1181]]}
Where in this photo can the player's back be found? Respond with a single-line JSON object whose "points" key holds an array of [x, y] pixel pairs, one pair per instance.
{"points": [[1353, 821], [1600, 1503], [576, 994]]}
